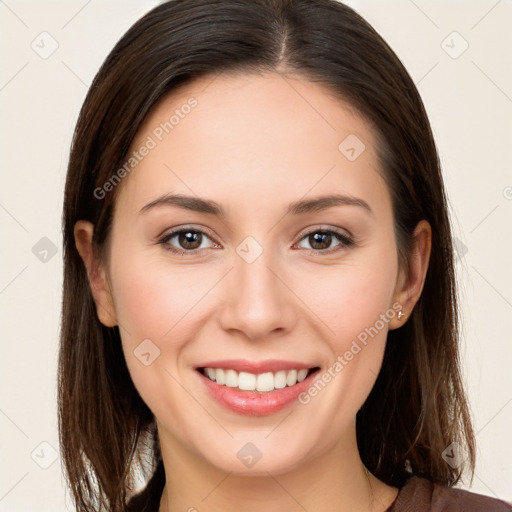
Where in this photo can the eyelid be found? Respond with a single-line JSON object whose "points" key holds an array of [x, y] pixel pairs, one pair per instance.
{"points": [[186, 227], [327, 229]]}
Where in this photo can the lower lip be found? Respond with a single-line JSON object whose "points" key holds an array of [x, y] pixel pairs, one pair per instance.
{"points": [[256, 403]]}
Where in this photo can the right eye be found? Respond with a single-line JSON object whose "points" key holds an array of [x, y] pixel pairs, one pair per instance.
{"points": [[186, 240]]}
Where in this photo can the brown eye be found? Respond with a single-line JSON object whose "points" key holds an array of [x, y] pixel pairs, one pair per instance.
{"points": [[324, 241], [190, 239], [186, 241], [320, 240]]}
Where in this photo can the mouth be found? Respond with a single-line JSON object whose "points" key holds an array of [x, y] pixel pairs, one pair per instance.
{"points": [[256, 389], [261, 382]]}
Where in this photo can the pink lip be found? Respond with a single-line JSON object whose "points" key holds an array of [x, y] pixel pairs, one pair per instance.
{"points": [[243, 365], [255, 403]]}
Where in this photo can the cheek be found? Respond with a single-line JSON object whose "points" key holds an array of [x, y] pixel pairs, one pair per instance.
{"points": [[155, 305], [354, 302], [349, 298], [154, 300]]}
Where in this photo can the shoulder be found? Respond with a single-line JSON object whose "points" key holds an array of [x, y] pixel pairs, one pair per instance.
{"points": [[421, 495]]}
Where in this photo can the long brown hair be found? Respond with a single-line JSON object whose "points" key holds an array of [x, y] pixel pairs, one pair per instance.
{"points": [[417, 407]]}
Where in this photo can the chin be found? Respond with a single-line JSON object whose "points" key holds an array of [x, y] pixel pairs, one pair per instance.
{"points": [[258, 457]]}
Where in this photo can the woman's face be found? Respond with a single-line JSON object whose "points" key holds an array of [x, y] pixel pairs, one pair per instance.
{"points": [[265, 278]]}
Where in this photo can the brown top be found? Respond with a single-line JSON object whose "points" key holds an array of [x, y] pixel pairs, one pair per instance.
{"points": [[417, 495], [421, 495]]}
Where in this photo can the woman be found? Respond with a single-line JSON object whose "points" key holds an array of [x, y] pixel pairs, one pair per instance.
{"points": [[259, 303]]}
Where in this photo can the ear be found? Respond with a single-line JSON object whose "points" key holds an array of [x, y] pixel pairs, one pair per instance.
{"points": [[410, 281], [96, 273]]}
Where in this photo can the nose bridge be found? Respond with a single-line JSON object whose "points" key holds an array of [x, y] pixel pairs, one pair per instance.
{"points": [[257, 303]]}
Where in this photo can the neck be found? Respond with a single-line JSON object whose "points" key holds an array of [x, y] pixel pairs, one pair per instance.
{"points": [[333, 481]]}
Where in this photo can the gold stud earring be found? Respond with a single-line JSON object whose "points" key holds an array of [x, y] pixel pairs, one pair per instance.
{"points": [[401, 315]]}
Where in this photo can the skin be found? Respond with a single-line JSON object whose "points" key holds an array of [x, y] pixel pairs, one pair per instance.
{"points": [[254, 144]]}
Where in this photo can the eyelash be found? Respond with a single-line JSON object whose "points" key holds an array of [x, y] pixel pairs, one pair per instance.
{"points": [[346, 241]]}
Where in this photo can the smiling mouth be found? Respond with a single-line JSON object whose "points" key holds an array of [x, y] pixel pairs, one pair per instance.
{"points": [[258, 383]]}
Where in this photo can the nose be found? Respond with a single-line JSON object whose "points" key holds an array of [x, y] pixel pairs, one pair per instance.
{"points": [[257, 301]]}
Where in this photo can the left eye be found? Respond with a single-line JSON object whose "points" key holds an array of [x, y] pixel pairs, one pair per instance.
{"points": [[188, 240], [321, 240]]}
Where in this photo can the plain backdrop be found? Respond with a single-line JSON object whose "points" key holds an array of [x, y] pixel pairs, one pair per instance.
{"points": [[458, 53]]}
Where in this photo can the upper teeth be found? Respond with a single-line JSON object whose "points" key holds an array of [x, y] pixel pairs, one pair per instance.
{"points": [[261, 382]]}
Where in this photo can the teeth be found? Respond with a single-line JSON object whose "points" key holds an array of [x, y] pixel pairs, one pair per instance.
{"points": [[219, 376], [263, 382], [280, 379], [291, 378], [301, 374], [246, 381], [231, 378]]}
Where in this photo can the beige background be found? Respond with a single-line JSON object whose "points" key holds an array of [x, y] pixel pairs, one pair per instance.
{"points": [[468, 95]]}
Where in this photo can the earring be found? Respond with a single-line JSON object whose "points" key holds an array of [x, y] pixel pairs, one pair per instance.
{"points": [[401, 315]]}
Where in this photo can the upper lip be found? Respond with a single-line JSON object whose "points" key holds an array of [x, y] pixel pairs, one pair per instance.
{"points": [[256, 367]]}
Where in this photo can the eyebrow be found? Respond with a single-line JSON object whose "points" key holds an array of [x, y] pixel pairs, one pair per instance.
{"points": [[323, 202], [210, 207], [186, 202]]}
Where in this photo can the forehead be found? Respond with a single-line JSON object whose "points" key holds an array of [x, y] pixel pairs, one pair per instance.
{"points": [[241, 136]]}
